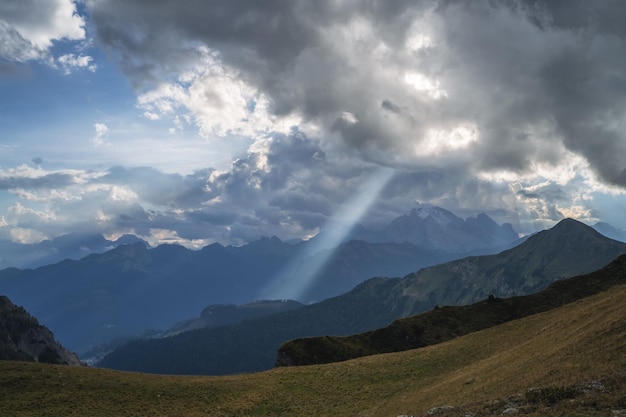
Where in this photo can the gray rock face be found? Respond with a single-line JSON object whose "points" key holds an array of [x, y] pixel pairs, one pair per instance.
{"points": [[23, 338], [39, 343]]}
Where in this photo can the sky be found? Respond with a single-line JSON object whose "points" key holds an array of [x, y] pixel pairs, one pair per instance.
{"points": [[195, 122]]}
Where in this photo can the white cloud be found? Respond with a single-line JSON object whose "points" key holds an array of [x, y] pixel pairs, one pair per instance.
{"points": [[216, 99], [151, 116], [424, 84], [71, 62], [26, 236], [28, 28], [101, 136]]}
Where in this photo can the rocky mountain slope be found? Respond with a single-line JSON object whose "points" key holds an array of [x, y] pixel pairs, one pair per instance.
{"points": [[23, 338]]}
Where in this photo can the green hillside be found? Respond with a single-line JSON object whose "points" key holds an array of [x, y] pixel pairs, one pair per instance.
{"points": [[568, 249], [572, 356], [445, 323]]}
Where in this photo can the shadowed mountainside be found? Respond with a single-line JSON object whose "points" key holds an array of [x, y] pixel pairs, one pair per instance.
{"points": [[445, 323]]}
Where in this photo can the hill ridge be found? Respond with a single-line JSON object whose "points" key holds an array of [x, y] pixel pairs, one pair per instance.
{"points": [[448, 322]]}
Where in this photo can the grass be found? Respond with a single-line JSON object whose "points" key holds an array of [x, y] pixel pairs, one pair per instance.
{"points": [[561, 352]]}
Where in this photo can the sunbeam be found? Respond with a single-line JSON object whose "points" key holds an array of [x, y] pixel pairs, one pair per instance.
{"points": [[291, 285]]}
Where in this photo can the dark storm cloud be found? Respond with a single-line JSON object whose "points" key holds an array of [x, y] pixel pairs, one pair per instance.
{"points": [[398, 83], [549, 70], [267, 35]]}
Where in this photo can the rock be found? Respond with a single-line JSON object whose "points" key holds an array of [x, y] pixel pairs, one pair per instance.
{"points": [[23, 338], [510, 411], [438, 410]]}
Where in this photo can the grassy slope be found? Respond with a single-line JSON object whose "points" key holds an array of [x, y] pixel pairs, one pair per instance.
{"points": [[446, 323], [578, 342]]}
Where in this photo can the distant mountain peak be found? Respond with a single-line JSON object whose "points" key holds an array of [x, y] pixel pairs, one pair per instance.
{"points": [[568, 222], [437, 228], [131, 257], [438, 214], [128, 239], [571, 226]]}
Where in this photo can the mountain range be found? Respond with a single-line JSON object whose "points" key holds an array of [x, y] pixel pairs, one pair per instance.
{"points": [[50, 251], [568, 249], [133, 288], [436, 228]]}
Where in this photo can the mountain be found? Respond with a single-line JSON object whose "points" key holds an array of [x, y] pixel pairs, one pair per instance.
{"points": [[610, 231], [350, 263], [132, 288], [22, 338], [69, 246], [568, 249], [445, 323], [437, 228], [222, 315]]}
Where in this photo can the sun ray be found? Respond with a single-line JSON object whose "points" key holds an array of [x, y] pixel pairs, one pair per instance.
{"points": [[291, 285]]}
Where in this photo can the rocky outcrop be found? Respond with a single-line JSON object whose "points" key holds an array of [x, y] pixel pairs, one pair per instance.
{"points": [[23, 338]]}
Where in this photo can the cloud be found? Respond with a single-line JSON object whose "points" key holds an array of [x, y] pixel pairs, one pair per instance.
{"points": [[101, 136], [24, 177], [526, 77], [71, 62], [28, 28], [286, 186], [516, 109]]}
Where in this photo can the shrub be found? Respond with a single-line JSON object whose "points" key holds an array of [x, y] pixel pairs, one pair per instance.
{"points": [[550, 395]]}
